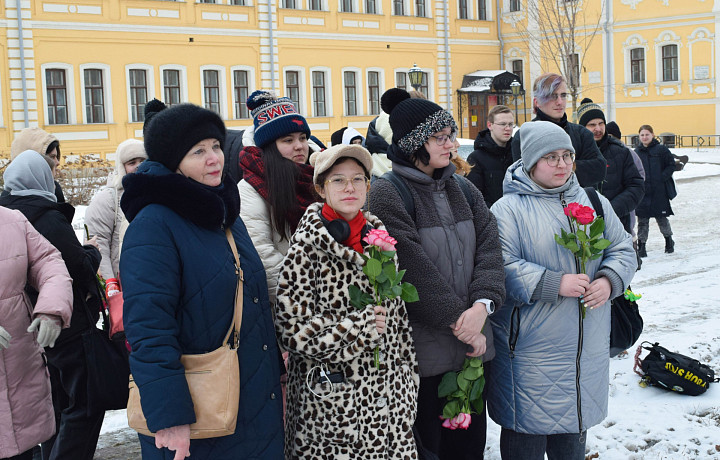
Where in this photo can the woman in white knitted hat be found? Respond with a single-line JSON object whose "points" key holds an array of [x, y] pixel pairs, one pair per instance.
{"points": [[104, 217]]}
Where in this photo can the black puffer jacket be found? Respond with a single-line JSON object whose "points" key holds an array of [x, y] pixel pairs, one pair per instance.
{"points": [[489, 162], [623, 184], [659, 167], [374, 142], [53, 221], [590, 163]]}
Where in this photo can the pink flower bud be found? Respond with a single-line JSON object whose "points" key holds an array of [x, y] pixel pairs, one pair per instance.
{"points": [[381, 239]]}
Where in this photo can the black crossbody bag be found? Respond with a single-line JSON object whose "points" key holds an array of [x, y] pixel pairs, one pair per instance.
{"points": [[626, 324]]}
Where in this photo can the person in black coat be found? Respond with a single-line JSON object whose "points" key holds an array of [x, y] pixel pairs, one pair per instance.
{"points": [[492, 154], [623, 184], [549, 104], [659, 167], [29, 178]]}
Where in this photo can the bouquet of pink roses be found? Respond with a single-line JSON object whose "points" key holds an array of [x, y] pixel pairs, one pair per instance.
{"points": [[584, 246], [463, 390], [385, 280]]}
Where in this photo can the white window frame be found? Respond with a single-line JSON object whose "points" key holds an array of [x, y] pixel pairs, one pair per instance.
{"points": [[408, 9], [506, 6], [183, 81], [632, 42], [470, 10], [328, 91], [667, 37], [251, 85], [701, 34], [222, 81], [305, 4], [488, 10], [107, 91], [149, 81], [359, 86], [301, 86], [355, 6], [378, 7], [70, 89], [381, 86]]}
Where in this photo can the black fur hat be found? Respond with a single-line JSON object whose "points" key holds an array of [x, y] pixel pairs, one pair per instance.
{"points": [[172, 132]]}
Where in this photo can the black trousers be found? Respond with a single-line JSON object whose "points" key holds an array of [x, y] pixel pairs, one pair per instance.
{"points": [[445, 443], [77, 431]]}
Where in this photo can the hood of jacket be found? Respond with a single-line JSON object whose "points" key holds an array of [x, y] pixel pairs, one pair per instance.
{"points": [[31, 139], [207, 207]]}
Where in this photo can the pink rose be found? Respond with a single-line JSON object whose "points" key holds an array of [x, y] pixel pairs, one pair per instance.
{"points": [[571, 207], [463, 420], [584, 215], [446, 424], [381, 239]]}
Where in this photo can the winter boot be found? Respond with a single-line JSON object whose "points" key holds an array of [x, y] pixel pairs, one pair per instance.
{"points": [[669, 245], [641, 250]]}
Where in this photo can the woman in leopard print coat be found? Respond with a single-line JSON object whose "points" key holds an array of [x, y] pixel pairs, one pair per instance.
{"points": [[366, 413]]}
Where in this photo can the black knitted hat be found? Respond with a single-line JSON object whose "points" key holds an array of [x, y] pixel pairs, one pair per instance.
{"points": [[173, 131], [613, 129], [413, 121], [589, 110]]}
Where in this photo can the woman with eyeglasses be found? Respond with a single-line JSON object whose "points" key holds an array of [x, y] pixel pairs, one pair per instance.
{"points": [[447, 241], [549, 380], [339, 404]]}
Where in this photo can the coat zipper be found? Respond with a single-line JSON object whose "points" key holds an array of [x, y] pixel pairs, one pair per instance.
{"points": [[578, 355]]}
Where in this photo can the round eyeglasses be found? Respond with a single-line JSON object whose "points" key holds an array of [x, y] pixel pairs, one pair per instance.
{"points": [[554, 160], [339, 183], [443, 138]]}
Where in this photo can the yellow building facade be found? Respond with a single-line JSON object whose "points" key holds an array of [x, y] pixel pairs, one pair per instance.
{"points": [[83, 69]]}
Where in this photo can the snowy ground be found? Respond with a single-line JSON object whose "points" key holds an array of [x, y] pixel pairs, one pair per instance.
{"points": [[681, 309]]}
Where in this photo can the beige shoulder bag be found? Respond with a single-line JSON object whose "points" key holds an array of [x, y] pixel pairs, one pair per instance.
{"points": [[213, 379]]}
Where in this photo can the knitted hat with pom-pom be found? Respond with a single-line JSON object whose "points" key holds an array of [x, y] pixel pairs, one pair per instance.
{"points": [[589, 110], [413, 121], [173, 131], [274, 117]]}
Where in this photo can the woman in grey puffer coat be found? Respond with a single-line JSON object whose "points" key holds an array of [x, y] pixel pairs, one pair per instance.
{"points": [[549, 380]]}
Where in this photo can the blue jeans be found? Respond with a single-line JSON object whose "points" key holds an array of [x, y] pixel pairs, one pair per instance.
{"points": [[521, 446]]}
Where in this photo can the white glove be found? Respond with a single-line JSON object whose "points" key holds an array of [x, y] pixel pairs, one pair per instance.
{"points": [[4, 338], [48, 330]]}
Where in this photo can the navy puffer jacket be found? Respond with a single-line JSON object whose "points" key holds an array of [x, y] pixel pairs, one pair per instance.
{"points": [[659, 167], [179, 285]]}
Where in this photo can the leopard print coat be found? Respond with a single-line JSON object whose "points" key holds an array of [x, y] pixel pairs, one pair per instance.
{"points": [[371, 413]]}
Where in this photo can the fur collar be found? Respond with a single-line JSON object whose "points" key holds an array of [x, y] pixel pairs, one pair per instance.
{"points": [[207, 207], [312, 232]]}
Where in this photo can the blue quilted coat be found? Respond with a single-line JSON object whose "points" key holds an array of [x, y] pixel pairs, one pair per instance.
{"points": [[550, 372], [178, 277]]}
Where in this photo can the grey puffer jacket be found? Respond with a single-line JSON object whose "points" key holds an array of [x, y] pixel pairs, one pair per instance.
{"points": [[550, 372], [452, 256], [105, 220]]}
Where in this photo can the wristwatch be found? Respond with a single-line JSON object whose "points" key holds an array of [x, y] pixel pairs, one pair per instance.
{"points": [[489, 305]]}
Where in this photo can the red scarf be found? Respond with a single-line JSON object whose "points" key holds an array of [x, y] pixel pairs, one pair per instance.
{"points": [[253, 167], [357, 224]]}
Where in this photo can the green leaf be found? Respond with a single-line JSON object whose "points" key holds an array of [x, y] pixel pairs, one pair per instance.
{"points": [[388, 254], [462, 382], [472, 373], [451, 409], [390, 272], [359, 299], [476, 390], [381, 278], [573, 247], [477, 403], [581, 236], [372, 268], [396, 291], [399, 276], [602, 244], [596, 256], [474, 362], [586, 254], [448, 385], [597, 227], [409, 293]]}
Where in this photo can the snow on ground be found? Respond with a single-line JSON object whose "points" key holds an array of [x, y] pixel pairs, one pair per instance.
{"points": [[681, 309]]}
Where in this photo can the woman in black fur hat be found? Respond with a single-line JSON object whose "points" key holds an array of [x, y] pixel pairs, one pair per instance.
{"points": [[179, 289]]}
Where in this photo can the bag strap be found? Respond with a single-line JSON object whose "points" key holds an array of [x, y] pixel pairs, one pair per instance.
{"points": [[237, 314], [595, 200]]}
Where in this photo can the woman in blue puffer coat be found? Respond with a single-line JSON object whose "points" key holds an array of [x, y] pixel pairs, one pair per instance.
{"points": [[549, 380], [179, 287]]}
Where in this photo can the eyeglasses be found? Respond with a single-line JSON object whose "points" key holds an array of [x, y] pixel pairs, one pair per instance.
{"points": [[555, 96], [505, 125], [339, 183], [442, 138], [553, 160]]}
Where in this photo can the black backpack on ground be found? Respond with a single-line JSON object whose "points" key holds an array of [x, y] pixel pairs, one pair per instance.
{"points": [[672, 371]]}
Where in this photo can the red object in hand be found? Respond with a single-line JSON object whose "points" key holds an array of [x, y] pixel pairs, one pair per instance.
{"points": [[112, 287]]}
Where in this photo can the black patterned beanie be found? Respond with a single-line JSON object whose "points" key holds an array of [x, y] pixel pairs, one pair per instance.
{"points": [[589, 110], [274, 117], [413, 121], [173, 131]]}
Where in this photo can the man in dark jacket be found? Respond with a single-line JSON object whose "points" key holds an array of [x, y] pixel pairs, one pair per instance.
{"points": [[549, 102], [623, 184], [492, 154]]}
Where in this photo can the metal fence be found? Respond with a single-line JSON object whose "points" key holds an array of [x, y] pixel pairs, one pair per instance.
{"points": [[677, 141]]}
